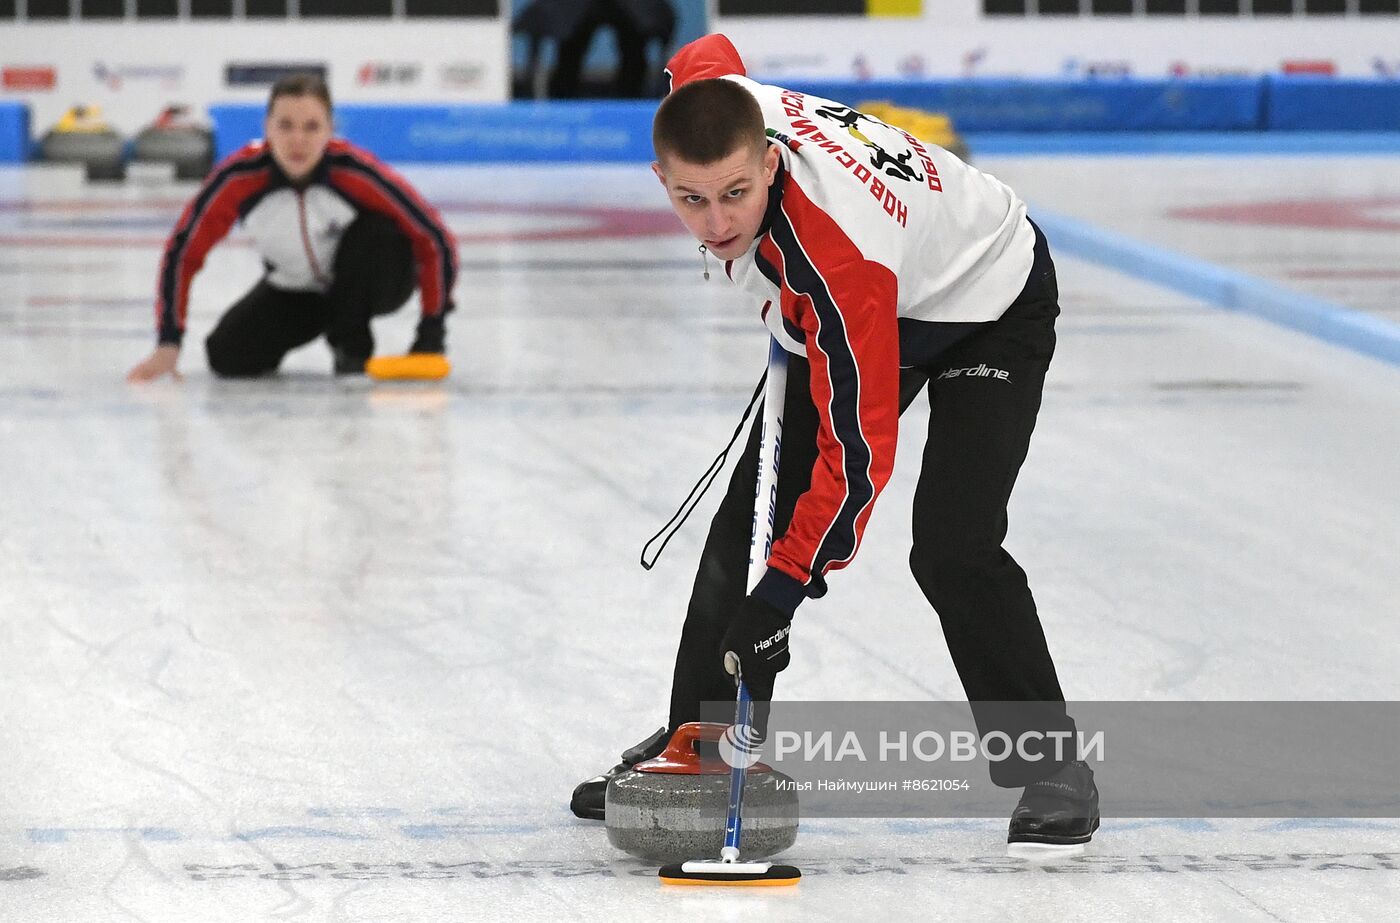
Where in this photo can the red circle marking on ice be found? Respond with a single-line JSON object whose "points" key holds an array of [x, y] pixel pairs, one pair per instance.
{"points": [[1331, 214]]}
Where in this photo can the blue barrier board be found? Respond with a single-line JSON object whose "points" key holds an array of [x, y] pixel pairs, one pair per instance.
{"points": [[1215, 143], [1332, 104], [14, 132], [996, 104], [1226, 115], [488, 133]]}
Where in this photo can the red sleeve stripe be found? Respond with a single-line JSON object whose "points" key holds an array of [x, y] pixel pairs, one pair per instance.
{"points": [[222, 197], [841, 391], [374, 187]]}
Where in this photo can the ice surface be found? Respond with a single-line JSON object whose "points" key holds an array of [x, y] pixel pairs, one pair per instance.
{"points": [[309, 649]]}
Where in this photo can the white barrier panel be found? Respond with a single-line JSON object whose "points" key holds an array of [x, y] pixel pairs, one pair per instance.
{"points": [[952, 38], [134, 69]]}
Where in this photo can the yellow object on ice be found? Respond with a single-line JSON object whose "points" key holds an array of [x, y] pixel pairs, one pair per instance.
{"points": [[412, 367], [934, 127], [81, 119]]}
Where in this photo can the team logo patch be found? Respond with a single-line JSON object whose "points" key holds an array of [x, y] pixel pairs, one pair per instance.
{"points": [[894, 166]]}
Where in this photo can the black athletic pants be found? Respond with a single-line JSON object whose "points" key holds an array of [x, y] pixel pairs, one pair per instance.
{"points": [[978, 433], [373, 274]]}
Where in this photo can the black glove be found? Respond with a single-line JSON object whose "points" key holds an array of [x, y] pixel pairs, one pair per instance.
{"points": [[432, 335], [758, 634]]}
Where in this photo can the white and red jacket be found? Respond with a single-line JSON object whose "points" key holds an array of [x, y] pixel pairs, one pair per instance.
{"points": [[879, 251], [297, 227]]}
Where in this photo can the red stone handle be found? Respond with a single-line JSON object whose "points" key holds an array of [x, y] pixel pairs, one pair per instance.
{"points": [[681, 758]]}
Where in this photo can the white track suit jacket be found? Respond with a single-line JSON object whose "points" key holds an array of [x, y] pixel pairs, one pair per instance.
{"points": [[879, 251]]}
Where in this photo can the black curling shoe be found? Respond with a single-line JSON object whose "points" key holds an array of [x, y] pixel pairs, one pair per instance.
{"points": [[344, 363], [590, 796], [1056, 816]]}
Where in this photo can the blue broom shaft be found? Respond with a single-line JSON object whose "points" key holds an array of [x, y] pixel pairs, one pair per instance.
{"points": [[762, 538], [743, 716]]}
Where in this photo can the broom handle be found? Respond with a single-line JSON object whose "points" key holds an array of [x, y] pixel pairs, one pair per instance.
{"points": [[760, 544], [765, 504]]}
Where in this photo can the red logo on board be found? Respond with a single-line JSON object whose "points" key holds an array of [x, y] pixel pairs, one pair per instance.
{"points": [[1317, 68], [28, 78]]}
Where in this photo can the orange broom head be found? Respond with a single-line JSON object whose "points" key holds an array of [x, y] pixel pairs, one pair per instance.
{"points": [[412, 367], [730, 874]]}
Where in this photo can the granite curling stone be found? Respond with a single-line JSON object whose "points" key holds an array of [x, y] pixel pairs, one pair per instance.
{"points": [[672, 808]]}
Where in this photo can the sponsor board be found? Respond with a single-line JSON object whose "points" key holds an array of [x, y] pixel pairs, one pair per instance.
{"points": [[462, 75], [131, 68], [909, 67], [28, 79], [266, 73], [1185, 69], [388, 74], [116, 76], [804, 62], [1318, 66], [972, 60], [1075, 67]]}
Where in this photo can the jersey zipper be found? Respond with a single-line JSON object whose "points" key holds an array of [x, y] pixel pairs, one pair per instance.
{"points": [[306, 240]]}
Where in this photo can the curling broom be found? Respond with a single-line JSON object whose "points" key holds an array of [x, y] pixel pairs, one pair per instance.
{"points": [[728, 869], [411, 367]]}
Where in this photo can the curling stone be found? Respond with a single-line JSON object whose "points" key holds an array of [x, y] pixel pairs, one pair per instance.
{"points": [[189, 149], [672, 808], [83, 137]]}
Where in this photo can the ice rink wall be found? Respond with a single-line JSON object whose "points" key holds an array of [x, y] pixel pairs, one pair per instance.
{"points": [[132, 57], [429, 80]]}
